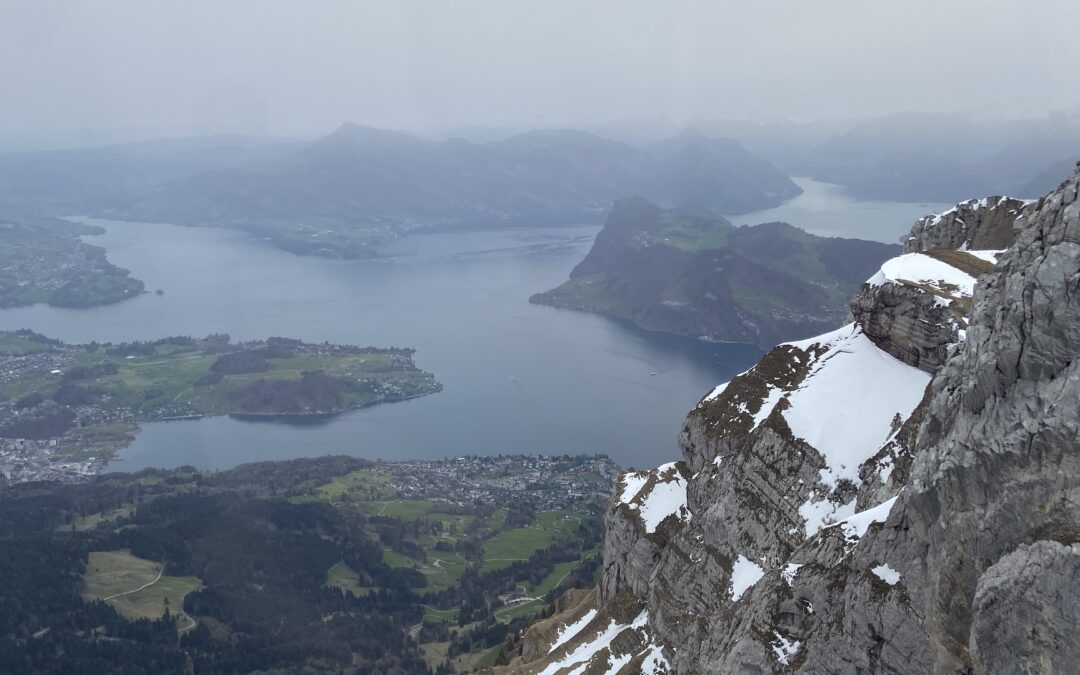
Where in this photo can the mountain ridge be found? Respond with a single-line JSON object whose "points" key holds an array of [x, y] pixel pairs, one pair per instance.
{"points": [[358, 186], [787, 539]]}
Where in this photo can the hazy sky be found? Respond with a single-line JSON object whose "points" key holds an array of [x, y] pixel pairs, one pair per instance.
{"points": [[301, 68]]}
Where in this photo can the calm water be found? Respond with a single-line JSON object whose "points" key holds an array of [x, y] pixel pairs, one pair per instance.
{"points": [[518, 378], [827, 210]]}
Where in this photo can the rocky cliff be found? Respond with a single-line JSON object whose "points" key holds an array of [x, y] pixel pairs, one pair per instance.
{"points": [[696, 275], [901, 495]]}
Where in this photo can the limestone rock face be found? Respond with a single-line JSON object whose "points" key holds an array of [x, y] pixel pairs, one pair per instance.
{"points": [[979, 224], [907, 323], [649, 505], [1027, 608], [847, 511]]}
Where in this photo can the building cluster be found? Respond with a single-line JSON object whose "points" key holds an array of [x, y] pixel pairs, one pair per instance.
{"points": [[23, 460], [546, 482]]}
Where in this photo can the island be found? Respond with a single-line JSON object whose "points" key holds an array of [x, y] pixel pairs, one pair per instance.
{"points": [[695, 274], [66, 409], [43, 260]]}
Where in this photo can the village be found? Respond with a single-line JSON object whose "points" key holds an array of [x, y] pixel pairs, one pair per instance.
{"points": [[545, 482]]}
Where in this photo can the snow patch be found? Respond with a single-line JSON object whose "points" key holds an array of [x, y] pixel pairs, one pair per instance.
{"points": [[664, 500], [666, 497], [784, 648], [570, 630], [579, 658], [854, 527], [632, 484], [919, 268], [846, 405], [654, 662], [818, 514], [767, 405], [744, 574], [886, 574], [790, 571], [716, 392], [988, 255]]}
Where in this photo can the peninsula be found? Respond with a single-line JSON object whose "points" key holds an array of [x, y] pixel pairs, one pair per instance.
{"points": [[66, 409]]}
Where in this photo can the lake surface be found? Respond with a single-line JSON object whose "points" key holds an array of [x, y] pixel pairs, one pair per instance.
{"points": [[518, 378], [827, 210]]}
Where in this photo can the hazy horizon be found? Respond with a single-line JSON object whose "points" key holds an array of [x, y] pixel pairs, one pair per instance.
{"points": [[123, 70]]}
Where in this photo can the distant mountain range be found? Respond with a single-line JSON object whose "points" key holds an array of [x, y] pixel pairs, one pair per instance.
{"points": [[72, 178], [943, 158], [345, 193], [699, 276]]}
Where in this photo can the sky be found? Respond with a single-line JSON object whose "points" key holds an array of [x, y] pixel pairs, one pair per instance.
{"points": [[151, 68]]}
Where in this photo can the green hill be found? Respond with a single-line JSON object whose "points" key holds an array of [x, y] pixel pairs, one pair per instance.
{"points": [[698, 275]]}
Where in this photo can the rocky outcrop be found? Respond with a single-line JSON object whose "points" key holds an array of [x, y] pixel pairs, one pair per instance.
{"points": [[977, 224], [918, 305], [649, 505], [1026, 610], [824, 533]]}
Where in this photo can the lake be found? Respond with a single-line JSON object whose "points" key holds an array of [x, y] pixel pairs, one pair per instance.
{"points": [[827, 210], [518, 378]]}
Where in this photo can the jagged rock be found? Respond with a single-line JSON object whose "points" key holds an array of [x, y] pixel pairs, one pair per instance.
{"points": [[1027, 608], [977, 224], [648, 507]]}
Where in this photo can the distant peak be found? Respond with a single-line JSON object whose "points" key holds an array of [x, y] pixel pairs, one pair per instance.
{"points": [[691, 131], [360, 132]]}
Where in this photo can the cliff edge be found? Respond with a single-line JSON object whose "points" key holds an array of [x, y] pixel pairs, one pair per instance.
{"points": [[900, 495]]}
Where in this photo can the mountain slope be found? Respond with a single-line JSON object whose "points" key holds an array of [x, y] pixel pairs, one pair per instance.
{"points": [[357, 186], [700, 276], [881, 498], [77, 178]]}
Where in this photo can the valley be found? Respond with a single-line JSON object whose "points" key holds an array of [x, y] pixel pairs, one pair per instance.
{"points": [[430, 562]]}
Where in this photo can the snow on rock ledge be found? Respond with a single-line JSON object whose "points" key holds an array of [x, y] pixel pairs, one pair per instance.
{"points": [[985, 223], [656, 495], [846, 406], [917, 306]]}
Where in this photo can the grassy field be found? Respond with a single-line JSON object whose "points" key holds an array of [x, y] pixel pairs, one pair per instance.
{"points": [[552, 580], [401, 508], [433, 614], [134, 586], [176, 374], [94, 519], [510, 546], [687, 233], [395, 559], [366, 485], [14, 344], [341, 576]]}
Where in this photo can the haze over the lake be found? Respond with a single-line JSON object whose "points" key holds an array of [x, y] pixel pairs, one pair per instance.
{"points": [[121, 70]]}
